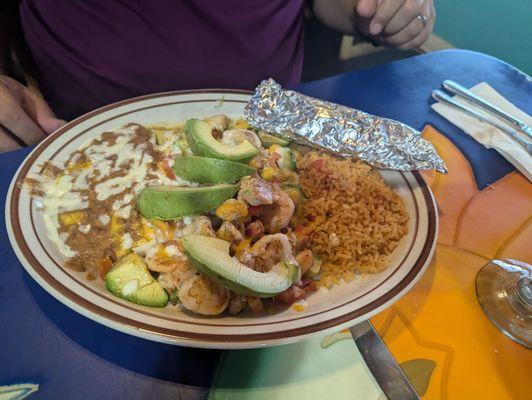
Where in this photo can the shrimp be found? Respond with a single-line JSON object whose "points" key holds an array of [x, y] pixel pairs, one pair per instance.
{"points": [[237, 303], [203, 296], [218, 122], [271, 249], [256, 191], [305, 259], [277, 216], [161, 258], [237, 136], [174, 279]]}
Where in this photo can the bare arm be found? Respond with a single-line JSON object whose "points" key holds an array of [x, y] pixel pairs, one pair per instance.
{"points": [[25, 118], [399, 23]]}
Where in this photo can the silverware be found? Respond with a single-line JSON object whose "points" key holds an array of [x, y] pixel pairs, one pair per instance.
{"points": [[461, 91], [381, 363], [444, 98]]}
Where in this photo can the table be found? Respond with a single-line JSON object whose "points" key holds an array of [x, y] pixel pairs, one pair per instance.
{"points": [[437, 331]]}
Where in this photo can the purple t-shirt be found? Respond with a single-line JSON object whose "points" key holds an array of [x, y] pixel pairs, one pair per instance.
{"points": [[92, 52]]}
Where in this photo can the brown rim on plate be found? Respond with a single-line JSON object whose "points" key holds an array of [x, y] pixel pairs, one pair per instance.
{"points": [[181, 335]]}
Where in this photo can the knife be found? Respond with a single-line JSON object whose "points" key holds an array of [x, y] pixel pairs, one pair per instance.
{"points": [[461, 91], [444, 98], [381, 363]]}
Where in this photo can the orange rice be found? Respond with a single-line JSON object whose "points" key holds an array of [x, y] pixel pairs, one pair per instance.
{"points": [[353, 218]]}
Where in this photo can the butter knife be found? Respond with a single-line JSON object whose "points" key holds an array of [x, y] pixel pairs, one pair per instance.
{"points": [[388, 374], [461, 91], [445, 98]]}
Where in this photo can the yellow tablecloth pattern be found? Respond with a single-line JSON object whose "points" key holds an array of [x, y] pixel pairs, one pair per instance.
{"points": [[438, 330]]}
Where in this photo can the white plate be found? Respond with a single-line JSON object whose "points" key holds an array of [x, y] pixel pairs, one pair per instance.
{"points": [[339, 308]]}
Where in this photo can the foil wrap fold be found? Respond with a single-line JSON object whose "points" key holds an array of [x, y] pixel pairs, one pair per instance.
{"points": [[381, 142]]}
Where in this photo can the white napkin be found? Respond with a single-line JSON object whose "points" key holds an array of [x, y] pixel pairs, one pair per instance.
{"points": [[487, 134]]}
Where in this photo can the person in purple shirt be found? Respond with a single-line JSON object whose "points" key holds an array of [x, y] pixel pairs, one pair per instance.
{"points": [[89, 53]]}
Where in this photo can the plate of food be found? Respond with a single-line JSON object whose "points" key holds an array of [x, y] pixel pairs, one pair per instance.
{"points": [[170, 218]]}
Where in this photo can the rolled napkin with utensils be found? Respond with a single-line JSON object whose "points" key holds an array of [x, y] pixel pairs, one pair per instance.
{"points": [[381, 142], [489, 128]]}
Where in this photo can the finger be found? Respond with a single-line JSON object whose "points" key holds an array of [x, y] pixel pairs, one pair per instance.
{"points": [[412, 30], [367, 8], [416, 42], [385, 11], [15, 119], [408, 12], [7, 142], [424, 35], [40, 112]]}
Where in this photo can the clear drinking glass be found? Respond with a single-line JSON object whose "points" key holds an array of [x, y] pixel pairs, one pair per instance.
{"points": [[504, 291]]}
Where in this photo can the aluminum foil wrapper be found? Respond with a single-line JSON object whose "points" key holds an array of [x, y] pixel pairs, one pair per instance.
{"points": [[381, 142]]}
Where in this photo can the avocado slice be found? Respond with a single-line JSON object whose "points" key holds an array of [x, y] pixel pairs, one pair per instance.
{"points": [[267, 139], [173, 202], [202, 143], [130, 279], [210, 170], [211, 257]]}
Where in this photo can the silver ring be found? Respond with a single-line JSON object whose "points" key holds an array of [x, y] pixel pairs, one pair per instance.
{"points": [[421, 18]]}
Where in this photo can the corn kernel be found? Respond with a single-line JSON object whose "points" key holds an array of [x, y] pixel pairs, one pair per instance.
{"points": [[232, 209], [116, 225], [273, 148], [147, 231], [268, 173], [241, 124], [71, 218], [78, 166]]}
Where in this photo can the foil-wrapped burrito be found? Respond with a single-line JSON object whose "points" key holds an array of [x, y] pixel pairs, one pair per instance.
{"points": [[381, 142]]}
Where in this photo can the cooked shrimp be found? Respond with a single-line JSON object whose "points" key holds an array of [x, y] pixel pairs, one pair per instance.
{"points": [[182, 272], [203, 296], [237, 303], [161, 258], [271, 249], [277, 216], [230, 233], [237, 136], [200, 226], [256, 191], [305, 259], [218, 122]]}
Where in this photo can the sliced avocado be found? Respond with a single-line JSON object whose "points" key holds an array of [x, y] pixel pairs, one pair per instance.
{"points": [[172, 202], [130, 279], [202, 143], [210, 170], [152, 295], [211, 257], [267, 139]]}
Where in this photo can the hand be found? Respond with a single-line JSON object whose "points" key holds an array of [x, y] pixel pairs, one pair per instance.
{"points": [[395, 22], [25, 118]]}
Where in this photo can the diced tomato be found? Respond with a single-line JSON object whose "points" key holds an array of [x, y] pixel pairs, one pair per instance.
{"points": [[165, 167], [104, 266], [317, 164], [290, 295]]}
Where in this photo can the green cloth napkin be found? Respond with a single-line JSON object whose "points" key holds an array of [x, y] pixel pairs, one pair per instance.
{"points": [[328, 367]]}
